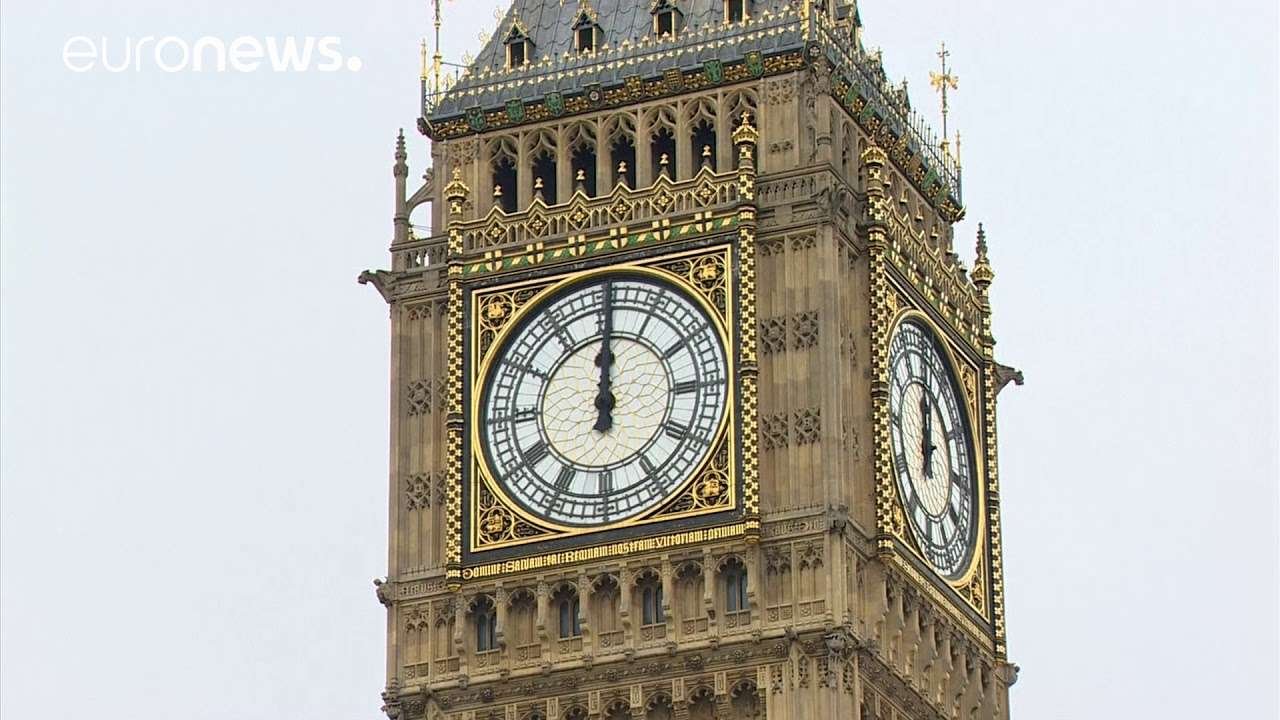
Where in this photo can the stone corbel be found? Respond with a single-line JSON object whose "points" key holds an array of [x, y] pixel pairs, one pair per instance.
{"points": [[384, 281], [1005, 375]]}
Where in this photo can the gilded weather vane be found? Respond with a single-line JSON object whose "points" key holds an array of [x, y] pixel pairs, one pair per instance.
{"points": [[943, 81]]}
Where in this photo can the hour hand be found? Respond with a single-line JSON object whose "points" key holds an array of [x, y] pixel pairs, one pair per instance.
{"points": [[926, 436], [604, 397]]}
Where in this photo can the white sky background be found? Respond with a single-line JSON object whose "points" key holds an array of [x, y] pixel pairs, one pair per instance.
{"points": [[195, 389]]}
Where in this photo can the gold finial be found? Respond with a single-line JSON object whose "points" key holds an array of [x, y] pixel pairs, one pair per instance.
{"points": [[745, 132], [982, 273], [422, 58], [942, 82], [957, 148], [456, 191]]}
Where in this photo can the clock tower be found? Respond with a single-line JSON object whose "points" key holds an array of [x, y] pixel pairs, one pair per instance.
{"points": [[693, 402]]}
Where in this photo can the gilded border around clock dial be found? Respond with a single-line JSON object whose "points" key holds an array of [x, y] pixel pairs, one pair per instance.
{"points": [[903, 313], [725, 444]]}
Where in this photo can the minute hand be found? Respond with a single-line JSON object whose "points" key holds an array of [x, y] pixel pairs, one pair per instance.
{"points": [[604, 398]]}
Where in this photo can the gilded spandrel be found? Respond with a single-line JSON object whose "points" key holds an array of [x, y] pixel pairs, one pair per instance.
{"points": [[793, 508]]}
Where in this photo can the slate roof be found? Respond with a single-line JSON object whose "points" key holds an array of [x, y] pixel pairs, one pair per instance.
{"points": [[773, 27]]}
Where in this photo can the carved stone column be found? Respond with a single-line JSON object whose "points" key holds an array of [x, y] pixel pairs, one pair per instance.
{"points": [[668, 592], [708, 590], [541, 614], [500, 616], [644, 171], [625, 592], [604, 159]]}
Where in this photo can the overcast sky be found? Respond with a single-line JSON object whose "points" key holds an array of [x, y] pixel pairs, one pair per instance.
{"points": [[195, 389]]}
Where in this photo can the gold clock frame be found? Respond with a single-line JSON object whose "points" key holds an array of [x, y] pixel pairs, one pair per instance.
{"points": [[965, 374], [497, 522]]}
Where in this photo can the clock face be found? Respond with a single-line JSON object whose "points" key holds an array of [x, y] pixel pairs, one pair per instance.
{"points": [[604, 400], [932, 450]]}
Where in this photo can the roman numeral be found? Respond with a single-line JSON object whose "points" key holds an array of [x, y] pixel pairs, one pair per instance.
{"points": [[564, 478], [671, 351], [646, 465], [688, 386], [606, 482], [524, 416], [535, 453], [674, 430]]}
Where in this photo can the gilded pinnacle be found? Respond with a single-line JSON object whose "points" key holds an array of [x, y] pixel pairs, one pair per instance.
{"points": [[982, 273], [745, 132], [456, 189]]}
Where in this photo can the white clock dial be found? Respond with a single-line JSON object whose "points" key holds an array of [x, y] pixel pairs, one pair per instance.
{"points": [[933, 451], [604, 400]]}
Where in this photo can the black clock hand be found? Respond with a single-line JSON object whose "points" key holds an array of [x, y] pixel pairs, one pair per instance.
{"points": [[604, 398], [926, 434]]}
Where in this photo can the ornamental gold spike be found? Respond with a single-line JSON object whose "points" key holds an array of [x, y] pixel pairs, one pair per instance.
{"points": [[943, 81]]}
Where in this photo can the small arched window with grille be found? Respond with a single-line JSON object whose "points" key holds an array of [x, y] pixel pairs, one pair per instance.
{"points": [[735, 11], [569, 615], [485, 618], [667, 18], [651, 603], [586, 33], [734, 576], [519, 46]]}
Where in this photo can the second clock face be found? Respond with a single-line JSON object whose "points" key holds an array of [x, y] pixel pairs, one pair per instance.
{"points": [[605, 399], [933, 453]]}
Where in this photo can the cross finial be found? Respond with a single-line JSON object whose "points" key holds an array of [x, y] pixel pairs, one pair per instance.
{"points": [[942, 82]]}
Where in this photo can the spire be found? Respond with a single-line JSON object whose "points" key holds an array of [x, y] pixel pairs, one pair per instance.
{"points": [[982, 273], [401, 167]]}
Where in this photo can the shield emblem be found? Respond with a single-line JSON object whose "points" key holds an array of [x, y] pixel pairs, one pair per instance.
{"points": [[515, 111], [755, 63], [555, 104], [475, 118], [595, 94], [674, 79], [714, 71]]}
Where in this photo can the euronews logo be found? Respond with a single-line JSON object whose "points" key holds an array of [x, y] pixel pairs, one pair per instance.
{"points": [[244, 54]]}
